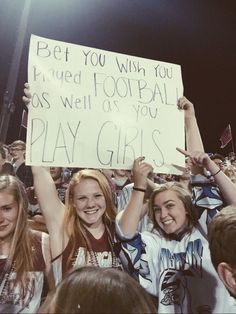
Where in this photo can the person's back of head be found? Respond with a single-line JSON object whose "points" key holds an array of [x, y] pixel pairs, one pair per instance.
{"points": [[222, 244], [100, 290]]}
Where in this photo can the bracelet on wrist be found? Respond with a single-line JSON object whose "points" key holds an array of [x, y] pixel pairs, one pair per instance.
{"points": [[139, 189], [216, 173], [213, 175]]}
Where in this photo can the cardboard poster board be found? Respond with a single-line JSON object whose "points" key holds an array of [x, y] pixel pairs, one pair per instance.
{"points": [[100, 109]]}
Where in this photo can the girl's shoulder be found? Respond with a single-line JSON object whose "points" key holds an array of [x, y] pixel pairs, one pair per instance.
{"points": [[151, 237]]}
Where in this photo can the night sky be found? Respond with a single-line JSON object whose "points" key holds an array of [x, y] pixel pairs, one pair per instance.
{"points": [[197, 34]]}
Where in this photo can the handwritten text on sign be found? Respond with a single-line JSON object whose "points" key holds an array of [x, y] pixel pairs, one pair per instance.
{"points": [[100, 109]]}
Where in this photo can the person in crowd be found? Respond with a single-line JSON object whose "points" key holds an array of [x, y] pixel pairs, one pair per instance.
{"points": [[222, 244], [219, 160], [91, 289], [230, 171], [24, 253], [120, 178], [23, 172], [172, 261], [81, 230], [5, 166], [193, 132]]}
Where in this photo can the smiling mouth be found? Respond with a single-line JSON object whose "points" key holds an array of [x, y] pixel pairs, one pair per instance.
{"points": [[90, 212], [167, 222]]}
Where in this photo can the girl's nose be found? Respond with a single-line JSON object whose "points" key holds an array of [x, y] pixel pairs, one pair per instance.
{"points": [[91, 203], [163, 212]]}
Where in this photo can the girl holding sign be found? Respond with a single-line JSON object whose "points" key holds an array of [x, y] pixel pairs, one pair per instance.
{"points": [[81, 230], [24, 254], [173, 261]]}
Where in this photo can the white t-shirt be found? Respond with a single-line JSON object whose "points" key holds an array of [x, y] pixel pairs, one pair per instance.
{"points": [[179, 273]]}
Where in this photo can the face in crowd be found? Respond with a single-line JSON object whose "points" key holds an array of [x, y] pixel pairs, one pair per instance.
{"points": [[56, 173], [219, 162], [17, 152], [171, 209], [89, 198], [8, 215], [89, 202], [13, 208]]}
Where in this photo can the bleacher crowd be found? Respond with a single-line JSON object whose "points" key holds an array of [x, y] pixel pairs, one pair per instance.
{"points": [[76, 240]]}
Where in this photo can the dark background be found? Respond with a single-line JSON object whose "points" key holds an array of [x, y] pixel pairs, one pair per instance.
{"points": [[197, 34]]}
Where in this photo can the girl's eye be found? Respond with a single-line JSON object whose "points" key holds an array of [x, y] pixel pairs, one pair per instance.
{"points": [[82, 198], [169, 205], [6, 209], [98, 195], [156, 209]]}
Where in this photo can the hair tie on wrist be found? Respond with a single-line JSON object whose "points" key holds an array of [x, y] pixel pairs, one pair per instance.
{"points": [[216, 173], [213, 175], [138, 189]]}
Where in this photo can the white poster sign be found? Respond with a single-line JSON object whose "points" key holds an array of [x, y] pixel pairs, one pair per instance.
{"points": [[100, 109]]}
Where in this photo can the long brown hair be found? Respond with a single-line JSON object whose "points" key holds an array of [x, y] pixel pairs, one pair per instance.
{"points": [[73, 225], [183, 194], [21, 244], [100, 290]]}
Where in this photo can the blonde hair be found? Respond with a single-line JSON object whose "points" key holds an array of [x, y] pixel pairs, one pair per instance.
{"points": [[21, 243], [72, 222], [18, 143], [183, 194]]}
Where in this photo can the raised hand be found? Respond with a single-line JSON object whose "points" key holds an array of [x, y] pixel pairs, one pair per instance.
{"points": [[199, 159], [187, 106], [141, 170]]}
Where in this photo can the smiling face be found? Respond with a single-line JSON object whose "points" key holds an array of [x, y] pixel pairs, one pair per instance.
{"points": [[89, 202], [169, 212], [8, 215]]}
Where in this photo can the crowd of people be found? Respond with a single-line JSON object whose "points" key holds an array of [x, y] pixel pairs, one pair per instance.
{"points": [[117, 240]]}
